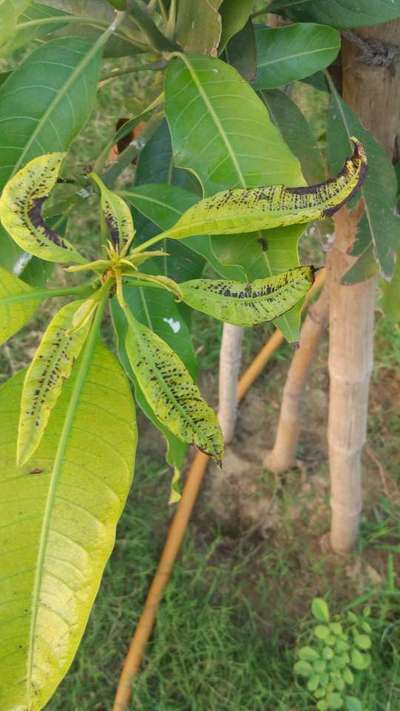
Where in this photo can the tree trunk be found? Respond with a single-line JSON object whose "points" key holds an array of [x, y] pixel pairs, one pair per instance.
{"points": [[283, 455], [372, 90], [229, 367]]}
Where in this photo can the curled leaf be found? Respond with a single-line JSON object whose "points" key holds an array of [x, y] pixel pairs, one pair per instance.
{"points": [[117, 216], [21, 210], [171, 392], [52, 364], [248, 304], [249, 209]]}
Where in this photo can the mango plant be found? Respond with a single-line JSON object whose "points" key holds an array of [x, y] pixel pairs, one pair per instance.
{"points": [[221, 178]]}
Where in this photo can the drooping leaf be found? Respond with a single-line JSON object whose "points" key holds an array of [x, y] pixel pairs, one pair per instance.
{"points": [[59, 515], [297, 133], [21, 210], [43, 111], [285, 54], [234, 14], [233, 211], [378, 234], [248, 304], [198, 25], [117, 215], [338, 13], [171, 392], [17, 304], [52, 364], [222, 132]]}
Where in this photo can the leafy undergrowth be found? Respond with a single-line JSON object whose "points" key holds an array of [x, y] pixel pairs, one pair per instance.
{"points": [[256, 555]]}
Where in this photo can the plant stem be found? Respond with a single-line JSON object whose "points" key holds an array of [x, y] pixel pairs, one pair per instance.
{"points": [[229, 367], [46, 294], [155, 67], [73, 404]]}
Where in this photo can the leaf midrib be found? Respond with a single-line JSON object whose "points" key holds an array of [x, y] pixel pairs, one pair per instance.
{"points": [[287, 57]]}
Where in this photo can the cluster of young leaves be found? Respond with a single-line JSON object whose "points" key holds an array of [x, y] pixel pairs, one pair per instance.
{"points": [[337, 649]]}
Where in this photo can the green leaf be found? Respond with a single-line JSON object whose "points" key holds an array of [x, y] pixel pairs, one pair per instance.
{"points": [[353, 704], [378, 234], [241, 52], [359, 660], [362, 641], [296, 132], [308, 654], [221, 132], [320, 610], [52, 364], [59, 515], [234, 14], [286, 54], [17, 304], [9, 13], [42, 111], [313, 682], [303, 668], [338, 13], [117, 216], [334, 701], [21, 210], [231, 211], [198, 25], [248, 304], [32, 24], [348, 676], [171, 392]]}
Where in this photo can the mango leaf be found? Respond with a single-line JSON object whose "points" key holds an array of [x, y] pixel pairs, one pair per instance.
{"points": [[17, 304], [338, 13], [297, 133], [52, 364], [285, 54], [248, 304], [21, 210], [241, 52], [232, 211], [117, 216], [221, 132], [32, 24], [40, 115], [9, 13], [171, 392], [198, 25], [234, 14], [59, 515], [378, 235]]}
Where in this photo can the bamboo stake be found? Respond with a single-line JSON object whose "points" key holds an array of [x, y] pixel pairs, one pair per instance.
{"points": [[371, 86], [174, 540], [283, 454], [229, 366]]}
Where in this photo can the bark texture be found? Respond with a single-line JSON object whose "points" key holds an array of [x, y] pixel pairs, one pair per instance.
{"points": [[283, 455], [371, 86], [229, 366]]}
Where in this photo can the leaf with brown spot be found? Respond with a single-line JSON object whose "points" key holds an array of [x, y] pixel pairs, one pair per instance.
{"points": [[117, 216], [21, 210]]}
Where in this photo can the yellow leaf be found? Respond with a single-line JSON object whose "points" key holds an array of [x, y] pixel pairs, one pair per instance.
{"points": [[52, 364], [17, 304], [171, 392], [249, 209], [248, 304], [117, 215], [21, 210]]}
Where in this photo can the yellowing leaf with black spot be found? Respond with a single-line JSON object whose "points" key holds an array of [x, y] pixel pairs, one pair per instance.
{"points": [[248, 304], [171, 392], [18, 303], [21, 210], [249, 209], [117, 216], [52, 364]]}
